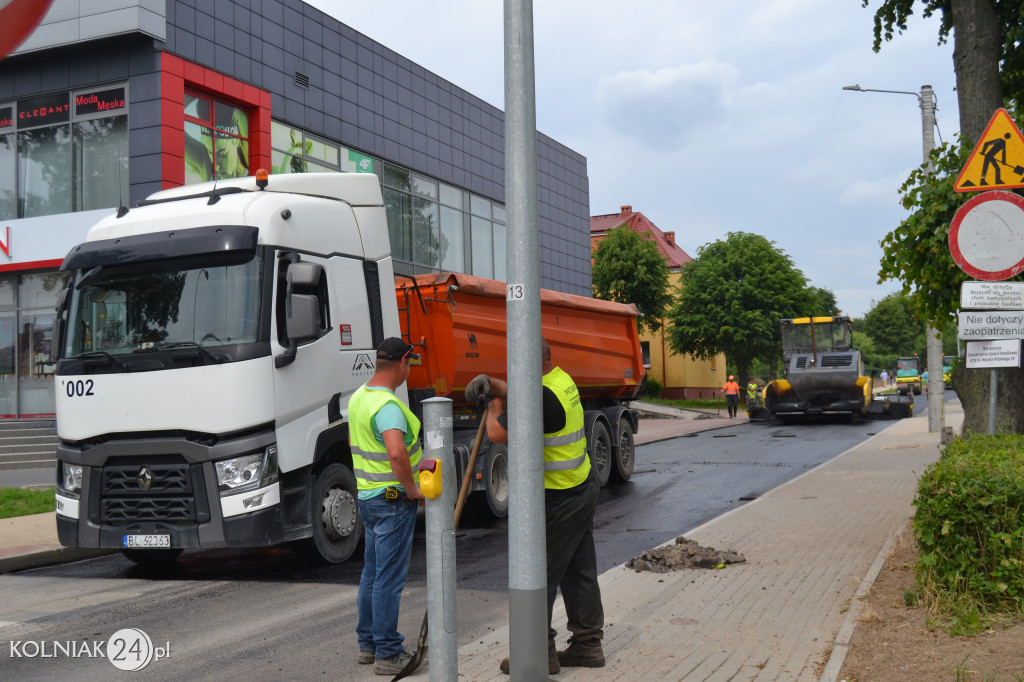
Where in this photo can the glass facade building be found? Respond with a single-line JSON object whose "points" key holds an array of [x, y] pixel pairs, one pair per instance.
{"points": [[105, 104]]}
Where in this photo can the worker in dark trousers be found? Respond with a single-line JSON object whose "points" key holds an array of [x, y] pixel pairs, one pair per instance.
{"points": [[732, 395], [570, 498]]}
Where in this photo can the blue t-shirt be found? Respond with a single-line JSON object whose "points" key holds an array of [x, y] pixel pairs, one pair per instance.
{"points": [[390, 416]]}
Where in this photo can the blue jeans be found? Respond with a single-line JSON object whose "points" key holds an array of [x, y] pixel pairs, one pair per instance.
{"points": [[389, 530]]}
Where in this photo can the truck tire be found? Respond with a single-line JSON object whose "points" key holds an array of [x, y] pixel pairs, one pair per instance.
{"points": [[151, 557], [599, 447], [496, 479], [334, 515], [625, 454]]}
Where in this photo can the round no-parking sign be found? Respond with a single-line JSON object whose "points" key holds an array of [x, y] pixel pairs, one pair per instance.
{"points": [[986, 238]]}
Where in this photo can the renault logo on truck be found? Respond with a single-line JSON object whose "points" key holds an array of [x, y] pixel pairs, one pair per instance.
{"points": [[145, 478]]}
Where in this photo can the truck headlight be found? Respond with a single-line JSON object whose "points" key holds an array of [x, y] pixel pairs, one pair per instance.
{"points": [[248, 472], [72, 478]]}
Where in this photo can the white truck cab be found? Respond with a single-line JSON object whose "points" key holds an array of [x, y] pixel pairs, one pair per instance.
{"points": [[209, 341]]}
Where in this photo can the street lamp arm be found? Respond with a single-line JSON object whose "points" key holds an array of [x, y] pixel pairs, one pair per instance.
{"points": [[857, 88]]}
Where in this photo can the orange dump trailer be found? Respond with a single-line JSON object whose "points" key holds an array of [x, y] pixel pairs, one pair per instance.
{"points": [[458, 324]]}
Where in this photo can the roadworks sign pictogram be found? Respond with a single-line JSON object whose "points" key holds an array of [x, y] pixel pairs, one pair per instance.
{"points": [[997, 161]]}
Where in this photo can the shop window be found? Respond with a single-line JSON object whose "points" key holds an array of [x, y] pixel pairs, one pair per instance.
{"points": [[101, 163], [8, 380], [7, 288], [36, 364], [398, 206], [452, 242], [216, 139], [479, 206], [64, 152], [397, 178], [8, 197], [498, 236], [480, 235], [39, 290], [427, 223], [426, 233], [451, 196], [296, 151], [425, 187], [44, 171]]}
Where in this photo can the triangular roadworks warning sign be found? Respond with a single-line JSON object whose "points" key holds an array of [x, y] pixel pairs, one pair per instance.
{"points": [[997, 161]]}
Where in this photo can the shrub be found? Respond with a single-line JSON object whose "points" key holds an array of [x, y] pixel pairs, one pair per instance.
{"points": [[969, 532], [652, 388]]}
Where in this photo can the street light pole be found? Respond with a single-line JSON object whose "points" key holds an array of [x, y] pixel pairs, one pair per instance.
{"points": [[936, 383]]}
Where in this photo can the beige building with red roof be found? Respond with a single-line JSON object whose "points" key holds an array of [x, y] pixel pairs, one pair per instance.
{"points": [[681, 375]]}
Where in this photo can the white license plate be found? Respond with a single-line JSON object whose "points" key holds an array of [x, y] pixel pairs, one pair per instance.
{"points": [[147, 541]]}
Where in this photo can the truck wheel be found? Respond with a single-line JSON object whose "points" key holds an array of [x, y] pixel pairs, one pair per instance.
{"points": [[599, 447], [151, 557], [337, 529], [626, 454], [496, 479]]}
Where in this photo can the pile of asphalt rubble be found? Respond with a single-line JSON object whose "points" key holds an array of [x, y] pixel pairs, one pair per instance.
{"points": [[684, 554]]}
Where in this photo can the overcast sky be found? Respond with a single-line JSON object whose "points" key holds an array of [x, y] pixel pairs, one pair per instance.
{"points": [[712, 117]]}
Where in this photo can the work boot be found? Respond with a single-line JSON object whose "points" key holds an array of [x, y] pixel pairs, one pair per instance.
{"points": [[553, 665], [366, 657], [392, 665], [582, 655]]}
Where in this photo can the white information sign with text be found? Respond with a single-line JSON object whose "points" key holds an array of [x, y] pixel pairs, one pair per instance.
{"points": [[992, 295], [1005, 353], [991, 324]]}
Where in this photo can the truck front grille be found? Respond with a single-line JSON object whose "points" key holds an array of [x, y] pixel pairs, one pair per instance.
{"points": [[150, 491], [154, 509]]}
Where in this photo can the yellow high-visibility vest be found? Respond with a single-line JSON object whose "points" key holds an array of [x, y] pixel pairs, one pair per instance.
{"points": [[566, 464], [370, 462]]}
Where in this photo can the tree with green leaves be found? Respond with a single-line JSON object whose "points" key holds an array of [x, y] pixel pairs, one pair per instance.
{"points": [[893, 328], [629, 268], [731, 298], [988, 57], [823, 301]]}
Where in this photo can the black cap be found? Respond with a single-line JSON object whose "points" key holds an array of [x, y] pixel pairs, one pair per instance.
{"points": [[395, 348]]}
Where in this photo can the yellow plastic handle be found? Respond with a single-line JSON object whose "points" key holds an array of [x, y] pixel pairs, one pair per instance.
{"points": [[430, 478]]}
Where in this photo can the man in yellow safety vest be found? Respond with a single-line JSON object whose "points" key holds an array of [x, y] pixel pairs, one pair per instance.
{"points": [[570, 498], [383, 436]]}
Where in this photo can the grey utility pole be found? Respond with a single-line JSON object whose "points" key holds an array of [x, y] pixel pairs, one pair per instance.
{"points": [[527, 569], [936, 384]]}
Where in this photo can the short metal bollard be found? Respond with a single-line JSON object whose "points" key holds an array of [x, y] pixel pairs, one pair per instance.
{"points": [[437, 475]]}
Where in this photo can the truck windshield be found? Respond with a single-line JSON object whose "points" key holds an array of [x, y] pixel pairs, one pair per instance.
{"points": [[133, 309], [908, 367], [828, 336]]}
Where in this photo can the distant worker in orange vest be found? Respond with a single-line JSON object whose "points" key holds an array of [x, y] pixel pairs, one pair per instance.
{"points": [[732, 395]]}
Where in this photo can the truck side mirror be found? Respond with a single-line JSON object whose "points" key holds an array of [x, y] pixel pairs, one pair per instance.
{"points": [[303, 318], [63, 299], [305, 275]]}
